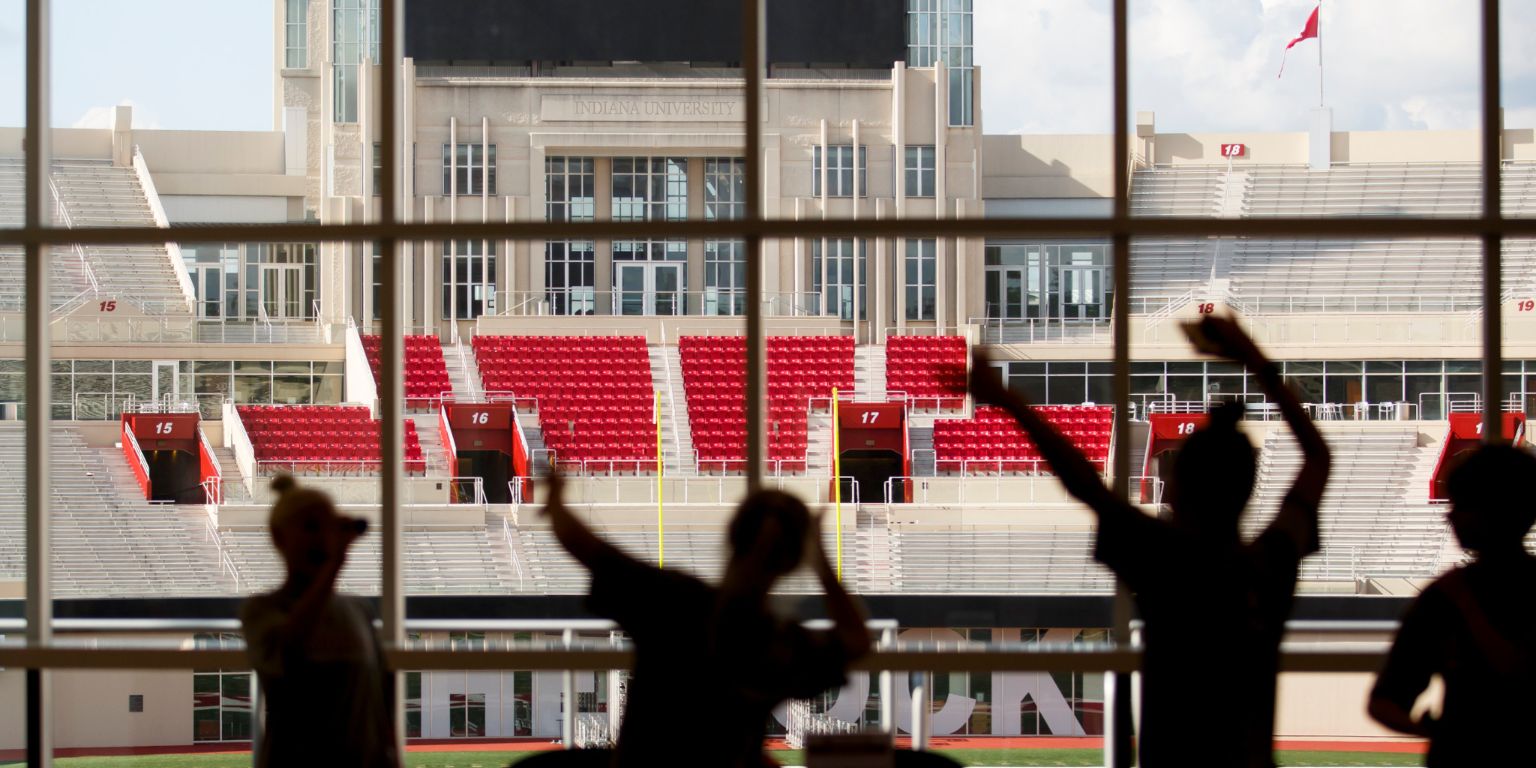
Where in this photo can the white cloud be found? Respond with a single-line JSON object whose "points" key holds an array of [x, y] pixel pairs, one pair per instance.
{"points": [[1212, 64], [103, 117]]}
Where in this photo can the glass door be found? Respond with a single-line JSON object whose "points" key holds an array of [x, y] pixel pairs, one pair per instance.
{"points": [[666, 289], [649, 288], [282, 291], [208, 279], [1005, 293], [1081, 293], [167, 384], [631, 283]]}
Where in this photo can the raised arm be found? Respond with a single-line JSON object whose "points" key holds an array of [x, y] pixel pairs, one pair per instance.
{"points": [[1077, 473], [575, 536], [1298, 512], [847, 614]]}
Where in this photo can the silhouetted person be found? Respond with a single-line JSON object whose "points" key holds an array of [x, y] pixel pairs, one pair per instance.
{"points": [[1214, 606], [316, 653], [716, 657], [1474, 626]]}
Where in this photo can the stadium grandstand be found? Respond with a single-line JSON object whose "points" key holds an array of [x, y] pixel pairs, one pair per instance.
{"points": [[186, 375]]}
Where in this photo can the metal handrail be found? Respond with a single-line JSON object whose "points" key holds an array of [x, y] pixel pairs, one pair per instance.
{"points": [[507, 535], [138, 452], [666, 368], [226, 563], [477, 483]]}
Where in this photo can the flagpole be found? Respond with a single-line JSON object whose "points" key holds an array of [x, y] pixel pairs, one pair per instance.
{"points": [[1320, 101]]}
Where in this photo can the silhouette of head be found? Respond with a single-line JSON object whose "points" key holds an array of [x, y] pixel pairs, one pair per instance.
{"points": [[1489, 510], [304, 526], [1213, 474], [771, 526]]}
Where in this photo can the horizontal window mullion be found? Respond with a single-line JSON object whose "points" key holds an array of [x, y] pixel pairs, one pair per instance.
{"points": [[783, 228], [1091, 660]]}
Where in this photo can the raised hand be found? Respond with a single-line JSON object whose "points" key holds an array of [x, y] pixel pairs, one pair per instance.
{"points": [[1223, 337], [556, 499]]}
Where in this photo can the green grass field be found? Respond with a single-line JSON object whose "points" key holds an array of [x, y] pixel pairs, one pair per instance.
{"points": [[976, 757]]}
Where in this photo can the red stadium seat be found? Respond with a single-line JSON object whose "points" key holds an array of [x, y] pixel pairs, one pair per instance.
{"points": [[426, 375], [800, 369], [594, 395], [990, 442], [326, 439]]}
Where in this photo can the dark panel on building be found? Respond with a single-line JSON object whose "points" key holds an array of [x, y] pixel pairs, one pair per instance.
{"points": [[856, 33]]}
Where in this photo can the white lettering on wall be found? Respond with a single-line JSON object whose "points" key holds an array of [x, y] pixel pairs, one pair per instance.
{"points": [[572, 108]]}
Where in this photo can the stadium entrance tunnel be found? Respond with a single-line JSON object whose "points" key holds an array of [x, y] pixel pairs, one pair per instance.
{"points": [[170, 458], [174, 476], [494, 469], [871, 470]]}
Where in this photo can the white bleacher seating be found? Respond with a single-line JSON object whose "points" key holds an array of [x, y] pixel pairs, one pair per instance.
{"points": [[107, 542]]}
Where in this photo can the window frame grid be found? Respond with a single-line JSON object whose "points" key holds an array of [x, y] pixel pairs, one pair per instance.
{"points": [[919, 165], [472, 165], [844, 177], [37, 235], [296, 34]]}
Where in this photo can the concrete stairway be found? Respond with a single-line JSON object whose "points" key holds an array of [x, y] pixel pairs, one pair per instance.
{"points": [[463, 375], [97, 194], [676, 430], [431, 443], [818, 444], [869, 373]]}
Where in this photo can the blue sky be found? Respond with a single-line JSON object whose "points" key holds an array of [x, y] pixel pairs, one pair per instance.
{"points": [[1199, 64], [192, 64]]}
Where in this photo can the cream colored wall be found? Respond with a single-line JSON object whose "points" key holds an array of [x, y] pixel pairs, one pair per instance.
{"points": [[91, 708], [212, 152], [1347, 147], [1205, 148], [1326, 706], [1035, 166]]}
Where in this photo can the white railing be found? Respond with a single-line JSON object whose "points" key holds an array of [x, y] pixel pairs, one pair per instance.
{"points": [[321, 467], [1040, 330], [586, 302], [214, 495], [226, 563], [666, 368], [510, 536], [1004, 467], [226, 331], [213, 491], [712, 490], [236, 439], [592, 731], [138, 453], [470, 382], [802, 722], [172, 248], [1157, 316], [517, 490], [360, 384], [1265, 304], [155, 328], [476, 486], [61, 211]]}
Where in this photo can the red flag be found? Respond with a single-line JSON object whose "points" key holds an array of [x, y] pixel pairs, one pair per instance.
{"points": [[1308, 32]]}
